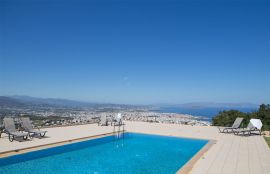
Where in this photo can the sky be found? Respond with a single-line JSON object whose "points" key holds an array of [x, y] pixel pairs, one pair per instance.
{"points": [[136, 52]]}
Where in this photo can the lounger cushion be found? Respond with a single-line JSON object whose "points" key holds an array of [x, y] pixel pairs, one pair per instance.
{"points": [[256, 123], [37, 131], [18, 134]]}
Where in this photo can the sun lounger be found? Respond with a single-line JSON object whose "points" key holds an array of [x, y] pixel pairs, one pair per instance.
{"points": [[234, 127], [10, 129], [255, 125], [28, 127]]}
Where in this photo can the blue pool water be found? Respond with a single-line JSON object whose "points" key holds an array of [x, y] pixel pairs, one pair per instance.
{"points": [[135, 153]]}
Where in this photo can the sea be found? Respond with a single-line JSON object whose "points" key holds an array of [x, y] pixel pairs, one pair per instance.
{"points": [[203, 113]]}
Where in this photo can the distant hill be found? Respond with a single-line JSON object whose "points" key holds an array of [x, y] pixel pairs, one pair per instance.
{"points": [[21, 101], [10, 102], [48, 101]]}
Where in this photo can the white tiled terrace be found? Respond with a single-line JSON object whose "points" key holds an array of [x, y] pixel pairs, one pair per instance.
{"points": [[230, 154]]}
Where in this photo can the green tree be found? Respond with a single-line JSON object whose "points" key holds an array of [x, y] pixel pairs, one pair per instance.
{"points": [[226, 118], [263, 114]]}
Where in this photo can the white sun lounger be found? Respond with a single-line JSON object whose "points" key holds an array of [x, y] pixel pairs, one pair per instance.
{"points": [[28, 127], [11, 130], [255, 125], [234, 127]]}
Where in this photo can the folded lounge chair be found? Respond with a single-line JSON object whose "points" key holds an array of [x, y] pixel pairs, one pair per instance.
{"points": [[234, 127], [110, 120], [103, 121], [118, 120], [254, 125], [1, 127], [10, 129], [28, 127]]}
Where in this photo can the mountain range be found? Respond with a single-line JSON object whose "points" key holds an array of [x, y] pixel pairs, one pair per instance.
{"points": [[21, 101]]}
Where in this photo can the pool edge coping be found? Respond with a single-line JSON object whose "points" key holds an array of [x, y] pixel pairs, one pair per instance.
{"points": [[190, 163], [51, 145], [183, 170], [187, 167]]}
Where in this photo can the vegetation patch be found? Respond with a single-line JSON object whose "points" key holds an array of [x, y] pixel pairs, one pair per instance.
{"points": [[226, 118], [267, 139]]}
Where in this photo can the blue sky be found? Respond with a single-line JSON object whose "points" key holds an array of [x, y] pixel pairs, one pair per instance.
{"points": [[136, 52]]}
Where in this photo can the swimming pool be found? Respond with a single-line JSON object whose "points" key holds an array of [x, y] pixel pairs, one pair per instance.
{"points": [[133, 153]]}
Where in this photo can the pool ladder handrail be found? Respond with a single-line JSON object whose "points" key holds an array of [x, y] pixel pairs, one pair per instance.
{"points": [[119, 124]]}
